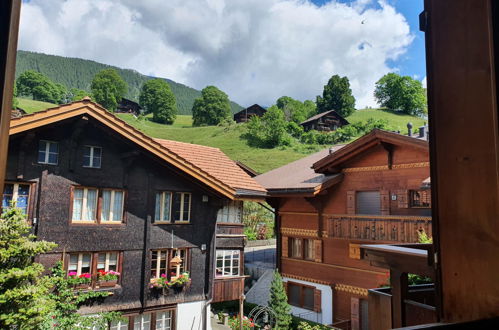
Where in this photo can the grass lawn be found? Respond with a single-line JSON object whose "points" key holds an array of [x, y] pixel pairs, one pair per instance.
{"points": [[31, 106], [396, 120], [228, 139]]}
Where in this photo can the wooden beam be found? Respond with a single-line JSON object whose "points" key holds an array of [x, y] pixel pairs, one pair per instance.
{"points": [[464, 153], [9, 27]]}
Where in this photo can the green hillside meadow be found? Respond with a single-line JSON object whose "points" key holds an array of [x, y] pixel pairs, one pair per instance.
{"points": [[229, 139], [78, 73]]}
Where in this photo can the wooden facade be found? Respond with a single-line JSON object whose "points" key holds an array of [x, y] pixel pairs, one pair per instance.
{"points": [[245, 114], [128, 106], [141, 242], [327, 220], [325, 121]]}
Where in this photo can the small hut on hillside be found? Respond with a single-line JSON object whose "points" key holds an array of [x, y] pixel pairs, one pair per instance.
{"points": [[128, 106], [325, 121], [245, 114]]}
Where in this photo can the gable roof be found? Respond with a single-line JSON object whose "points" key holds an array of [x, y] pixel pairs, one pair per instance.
{"points": [[375, 137], [322, 114], [223, 184], [255, 107], [214, 162], [298, 177]]}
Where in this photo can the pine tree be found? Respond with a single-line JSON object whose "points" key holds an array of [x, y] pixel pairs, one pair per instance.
{"points": [[279, 302], [24, 293]]}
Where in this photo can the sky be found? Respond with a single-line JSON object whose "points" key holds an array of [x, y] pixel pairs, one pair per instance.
{"points": [[254, 50]]}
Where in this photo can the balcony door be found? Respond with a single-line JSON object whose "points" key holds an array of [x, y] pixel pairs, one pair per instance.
{"points": [[368, 202]]}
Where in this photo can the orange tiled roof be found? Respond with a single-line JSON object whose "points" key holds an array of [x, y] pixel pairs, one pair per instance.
{"points": [[214, 162], [214, 168]]}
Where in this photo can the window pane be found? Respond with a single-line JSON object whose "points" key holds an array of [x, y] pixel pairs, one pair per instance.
{"points": [[308, 249], [42, 146], [86, 161], [308, 298], [106, 205], [294, 294], [118, 206], [91, 204], [176, 206], [113, 261], [97, 162], [101, 263], [85, 262], [187, 198], [53, 158], [142, 322], [97, 152], [166, 207], [8, 191], [121, 325], [53, 147], [86, 151], [73, 262], [41, 151], [157, 205], [163, 320], [77, 204]]}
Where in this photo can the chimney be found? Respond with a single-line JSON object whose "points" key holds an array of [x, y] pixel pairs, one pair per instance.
{"points": [[331, 150], [422, 132], [409, 129]]}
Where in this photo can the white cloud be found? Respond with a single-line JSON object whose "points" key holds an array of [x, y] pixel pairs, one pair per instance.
{"points": [[423, 82], [255, 50]]}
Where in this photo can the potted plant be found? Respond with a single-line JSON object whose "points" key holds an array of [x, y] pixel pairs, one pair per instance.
{"points": [[108, 279], [80, 281], [160, 283], [180, 282]]}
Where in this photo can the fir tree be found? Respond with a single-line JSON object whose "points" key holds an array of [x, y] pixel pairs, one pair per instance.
{"points": [[24, 293], [279, 302]]}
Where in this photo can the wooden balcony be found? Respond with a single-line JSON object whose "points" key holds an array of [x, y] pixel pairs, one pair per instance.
{"points": [[227, 289], [401, 305], [404, 229]]}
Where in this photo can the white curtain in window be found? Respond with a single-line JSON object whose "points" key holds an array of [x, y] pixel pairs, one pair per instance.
{"points": [[91, 204], [77, 204], [118, 206]]}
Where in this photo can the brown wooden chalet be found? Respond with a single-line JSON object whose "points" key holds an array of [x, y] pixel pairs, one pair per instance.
{"points": [[330, 203], [128, 106], [245, 114], [324, 121], [114, 199]]}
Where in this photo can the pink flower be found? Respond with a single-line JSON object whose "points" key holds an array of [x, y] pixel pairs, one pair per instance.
{"points": [[163, 275], [72, 273], [85, 275]]}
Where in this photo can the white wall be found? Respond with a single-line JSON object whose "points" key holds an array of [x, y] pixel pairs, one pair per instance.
{"points": [[326, 314], [189, 316]]}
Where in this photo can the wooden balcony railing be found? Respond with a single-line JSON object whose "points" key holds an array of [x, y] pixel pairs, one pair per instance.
{"points": [[393, 228], [228, 289], [230, 228]]}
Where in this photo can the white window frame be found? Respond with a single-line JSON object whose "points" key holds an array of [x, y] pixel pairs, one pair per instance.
{"points": [[167, 318], [162, 208], [161, 253], [111, 206], [80, 262], [141, 316], [182, 196], [47, 152], [119, 325], [84, 205], [228, 253], [92, 148], [106, 262]]}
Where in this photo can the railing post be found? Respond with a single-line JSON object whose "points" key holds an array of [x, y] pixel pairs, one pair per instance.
{"points": [[399, 284]]}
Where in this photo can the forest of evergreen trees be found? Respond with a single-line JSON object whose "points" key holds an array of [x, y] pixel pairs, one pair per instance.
{"points": [[78, 73]]}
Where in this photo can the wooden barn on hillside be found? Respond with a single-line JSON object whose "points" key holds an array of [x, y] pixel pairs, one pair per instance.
{"points": [[128, 106], [245, 114], [325, 121]]}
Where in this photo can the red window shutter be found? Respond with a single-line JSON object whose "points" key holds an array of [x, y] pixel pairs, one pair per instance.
{"points": [[318, 250], [385, 202], [317, 301], [403, 199], [351, 202], [284, 245]]}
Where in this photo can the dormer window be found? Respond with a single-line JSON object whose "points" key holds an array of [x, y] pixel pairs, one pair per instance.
{"points": [[48, 152], [92, 156]]}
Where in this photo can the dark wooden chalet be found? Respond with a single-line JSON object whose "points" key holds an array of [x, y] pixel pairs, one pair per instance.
{"points": [[331, 202], [325, 121], [115, 199], [245, 114], [128, 106]]}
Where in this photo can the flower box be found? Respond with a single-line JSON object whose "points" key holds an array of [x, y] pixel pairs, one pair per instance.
{"points": [[108, 284]]}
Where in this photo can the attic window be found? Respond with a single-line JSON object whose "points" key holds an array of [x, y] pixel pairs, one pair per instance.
{"points": [[92, 156], [48, 152]]}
